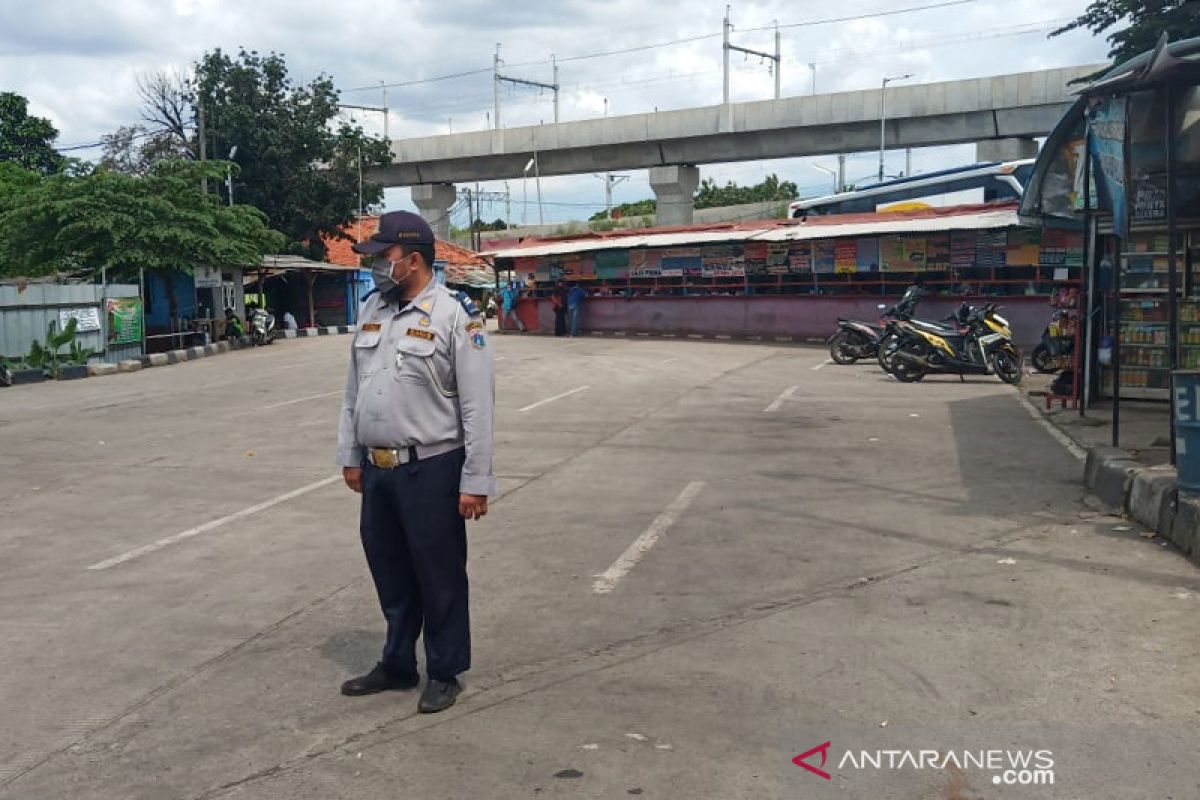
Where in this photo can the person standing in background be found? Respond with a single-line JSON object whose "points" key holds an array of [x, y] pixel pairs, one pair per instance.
{"points": [[575, 299], [559, 301], [509, 296]]}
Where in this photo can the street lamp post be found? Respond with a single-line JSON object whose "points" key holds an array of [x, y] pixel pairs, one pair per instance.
{"points": [[883, 117], [837, 188]]}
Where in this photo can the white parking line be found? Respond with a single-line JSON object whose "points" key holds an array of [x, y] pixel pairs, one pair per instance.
{"points": [[540, 403], [300, 400], [1054, 432], [607, 581], [822, 364], [212, 525], [783, 398]]}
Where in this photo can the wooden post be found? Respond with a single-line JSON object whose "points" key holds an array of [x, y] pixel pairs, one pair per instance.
{"points": [[311, 279]]}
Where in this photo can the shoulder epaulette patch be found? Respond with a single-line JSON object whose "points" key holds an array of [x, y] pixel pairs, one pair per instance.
{"points": [[467, 303]]}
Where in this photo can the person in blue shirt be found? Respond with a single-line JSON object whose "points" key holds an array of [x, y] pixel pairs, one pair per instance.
{"points": [[575, 299], [509, 296]]}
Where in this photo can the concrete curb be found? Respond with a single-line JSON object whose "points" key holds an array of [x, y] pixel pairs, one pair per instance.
{"points": [[21, 377], [103, 369], [1149, 495], [129, 365], [71, 373], [1108, 472], [711, 337], [310, 332], [289, 334]]}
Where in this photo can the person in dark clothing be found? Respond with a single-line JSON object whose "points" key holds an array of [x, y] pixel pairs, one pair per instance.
{"points": [[559, 301]]}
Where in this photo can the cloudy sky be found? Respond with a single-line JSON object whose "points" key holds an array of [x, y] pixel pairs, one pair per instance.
{"points": [[78, 61]]}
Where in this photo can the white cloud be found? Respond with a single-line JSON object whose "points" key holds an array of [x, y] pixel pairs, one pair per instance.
{"points": [[77, 61]]}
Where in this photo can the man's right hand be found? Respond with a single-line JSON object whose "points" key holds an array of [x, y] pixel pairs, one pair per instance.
{"points": [[353, 478]]}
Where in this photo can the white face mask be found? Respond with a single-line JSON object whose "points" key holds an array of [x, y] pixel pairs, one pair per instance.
{"points": [[381, 272]]}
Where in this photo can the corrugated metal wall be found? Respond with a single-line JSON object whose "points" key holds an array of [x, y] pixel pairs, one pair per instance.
{"points": [[25, 313]]}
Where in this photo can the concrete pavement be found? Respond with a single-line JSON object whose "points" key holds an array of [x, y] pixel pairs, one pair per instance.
{"points": [[871, 564]]}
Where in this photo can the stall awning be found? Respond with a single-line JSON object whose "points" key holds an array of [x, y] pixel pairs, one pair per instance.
{"points": [[974, 217]]}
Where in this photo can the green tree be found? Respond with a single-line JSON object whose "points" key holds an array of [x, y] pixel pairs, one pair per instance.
{"points": [[25, 140], [710, 195], [123, 223], [302, 172], [1142, 21], [639, 208]]}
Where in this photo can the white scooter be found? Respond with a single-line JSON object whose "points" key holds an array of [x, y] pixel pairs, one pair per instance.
{"points": [[262, 327]]}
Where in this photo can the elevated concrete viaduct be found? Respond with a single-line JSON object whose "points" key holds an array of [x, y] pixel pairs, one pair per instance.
{"points": [[1001, 114]]}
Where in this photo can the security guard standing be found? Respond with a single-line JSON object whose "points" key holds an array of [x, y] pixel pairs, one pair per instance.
{"points": [[415, 439]]}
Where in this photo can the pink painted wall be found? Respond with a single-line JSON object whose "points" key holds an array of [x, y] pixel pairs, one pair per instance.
{"points": [[804, 316]]}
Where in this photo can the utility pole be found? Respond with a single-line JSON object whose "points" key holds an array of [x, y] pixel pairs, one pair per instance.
{"points": [[813, 69], [203, 144], [726, 47], [725, 58], [883, 117], [497, 79], [479, 214], [496, 87], [475, 208], [554, 64], [610, 180], [841, 176], [778, 62], [386, 137], [907, 161]]}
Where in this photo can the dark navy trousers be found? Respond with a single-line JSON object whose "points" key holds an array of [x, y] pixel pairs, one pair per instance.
{"points": [[416, 546]]}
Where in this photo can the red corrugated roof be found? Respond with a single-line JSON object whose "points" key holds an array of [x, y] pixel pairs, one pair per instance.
{"points": [[769, 224], [340, 252]]}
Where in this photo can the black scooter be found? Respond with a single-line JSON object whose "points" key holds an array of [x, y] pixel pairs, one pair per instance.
{"points": [[1053, 352], [5, 377], [855, 339]]}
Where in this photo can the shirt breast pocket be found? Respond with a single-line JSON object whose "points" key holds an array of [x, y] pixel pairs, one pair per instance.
{"points": [[412, 360], [366, 353]]}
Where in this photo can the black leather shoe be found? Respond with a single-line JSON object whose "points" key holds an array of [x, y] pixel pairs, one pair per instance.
{"points": [[378, 680], [438, 696]]}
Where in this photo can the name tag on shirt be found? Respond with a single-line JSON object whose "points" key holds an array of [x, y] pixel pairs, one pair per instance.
{"points": [[420, 334], [369, 326]]}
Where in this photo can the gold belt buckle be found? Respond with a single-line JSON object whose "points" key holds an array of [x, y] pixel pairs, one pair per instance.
{"points": [[385, 458]]}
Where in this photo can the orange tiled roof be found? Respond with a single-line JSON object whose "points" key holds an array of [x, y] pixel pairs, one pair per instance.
{"points": [[340, 252]]}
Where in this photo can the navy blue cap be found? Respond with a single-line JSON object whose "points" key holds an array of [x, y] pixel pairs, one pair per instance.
{"points": [[396, 227]]}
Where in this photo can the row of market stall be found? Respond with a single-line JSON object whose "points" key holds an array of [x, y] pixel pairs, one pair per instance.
{"points": [[794, 277]]}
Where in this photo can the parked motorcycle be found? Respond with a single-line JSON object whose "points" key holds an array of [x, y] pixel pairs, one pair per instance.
{"points": [[5, 376], [1054, 351], [262, 326], [891, 337], [855, 339], [983, 346]]}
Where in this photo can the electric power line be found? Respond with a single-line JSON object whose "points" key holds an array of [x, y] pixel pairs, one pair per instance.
{"points": [[472, 103], [671, 43]]}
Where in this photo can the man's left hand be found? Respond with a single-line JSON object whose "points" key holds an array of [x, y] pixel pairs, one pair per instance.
{"points": [[472, 506]]}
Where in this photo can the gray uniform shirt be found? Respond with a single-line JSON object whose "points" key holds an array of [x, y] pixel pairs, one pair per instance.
{"points": [[421, 375]]}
